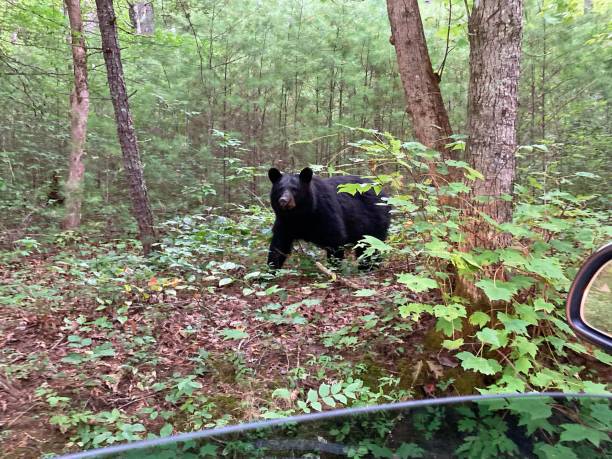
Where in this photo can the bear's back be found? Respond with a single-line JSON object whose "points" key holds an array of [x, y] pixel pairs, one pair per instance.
{"points": [[362, 213]]}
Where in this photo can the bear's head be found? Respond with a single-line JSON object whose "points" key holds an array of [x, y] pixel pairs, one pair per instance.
{"points": [[291, 192]]}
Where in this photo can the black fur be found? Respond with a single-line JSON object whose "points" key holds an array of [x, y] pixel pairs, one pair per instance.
{"points": [[310, 208]]}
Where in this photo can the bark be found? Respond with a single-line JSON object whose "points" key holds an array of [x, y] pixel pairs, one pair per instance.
{"points": [[495, 28], [421, 85], [588, 6], [125, 126], [79, 111]]}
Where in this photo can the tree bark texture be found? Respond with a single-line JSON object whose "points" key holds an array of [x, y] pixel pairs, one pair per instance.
{"points": [[421, 85], [125, 125], [79, 111], [495, 28]]}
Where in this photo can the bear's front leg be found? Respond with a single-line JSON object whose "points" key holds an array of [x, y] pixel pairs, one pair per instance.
{"points": [[280, 248]]}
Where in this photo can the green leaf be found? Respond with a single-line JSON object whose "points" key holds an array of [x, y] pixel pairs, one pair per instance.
{"points": [[438, 249], [452, 345], [324, 390], [336, 388], [512, 257], [578, 432], [603, 357], [329, 401], [225, 281], [312, 396], [417, 284], [525, 347], [166, 430], [492, 337], [74, 358], [540, 305], [496, 290], [480, 319], [414, 310], [548, 268], [365, 292], [282, 393], [232, 333], [208, 450], [409, 450], [546, 451], [485, 366], [523, 365], [512, 324], [448, 327]]}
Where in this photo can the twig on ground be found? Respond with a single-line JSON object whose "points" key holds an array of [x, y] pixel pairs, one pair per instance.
{"points": [[335, 277]]}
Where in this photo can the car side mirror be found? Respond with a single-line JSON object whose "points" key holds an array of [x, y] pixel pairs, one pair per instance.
{"points": [[589, 303]]}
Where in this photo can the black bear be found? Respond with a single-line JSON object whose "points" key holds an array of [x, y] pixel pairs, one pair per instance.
{"points": [[311, 209]]}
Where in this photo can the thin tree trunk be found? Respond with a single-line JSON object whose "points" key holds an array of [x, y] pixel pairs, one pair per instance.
{"points": [[79, 111], [421, 85], [495, 28], [125, 125]]}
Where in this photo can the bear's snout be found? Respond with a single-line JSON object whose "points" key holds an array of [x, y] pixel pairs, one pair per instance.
{"points": [[286, 201]]}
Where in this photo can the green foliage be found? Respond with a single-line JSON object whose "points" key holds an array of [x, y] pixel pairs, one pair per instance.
{"points": [[218, 94]]}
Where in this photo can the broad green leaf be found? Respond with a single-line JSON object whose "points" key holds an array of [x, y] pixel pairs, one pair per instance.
{"points": [[493, 337], [452, 345], [540, 305], [324, 390], [497, 290], [546, 451], [579, 432], [480, 319], [417, 284], [282, 393], [225, 281], [512, 324], [166, 430], [523, 365], [603, 357], [547, 267], [231, 333], [414, 310], [448, 327], [329, 401], [485, 366]]}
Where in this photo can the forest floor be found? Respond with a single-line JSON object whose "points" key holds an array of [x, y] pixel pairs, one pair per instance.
{"points": [[83, 359]]}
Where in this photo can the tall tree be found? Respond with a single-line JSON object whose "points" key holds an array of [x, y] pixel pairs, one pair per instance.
{"points": [[421, 84], [495, 28], [125, 125], [79, 112]]}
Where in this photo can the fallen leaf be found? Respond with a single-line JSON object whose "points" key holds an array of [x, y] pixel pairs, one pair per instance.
{"points": [[447, 361], [436, 369]]}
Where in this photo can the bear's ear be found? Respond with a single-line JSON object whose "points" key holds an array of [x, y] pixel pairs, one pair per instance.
{"points": [[306, 175], [274, 175]]}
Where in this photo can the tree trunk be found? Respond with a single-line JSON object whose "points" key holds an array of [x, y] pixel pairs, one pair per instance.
{"points": [[421, 85], [79, 111], [125, 125], [495, 50], [588, 6]]}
